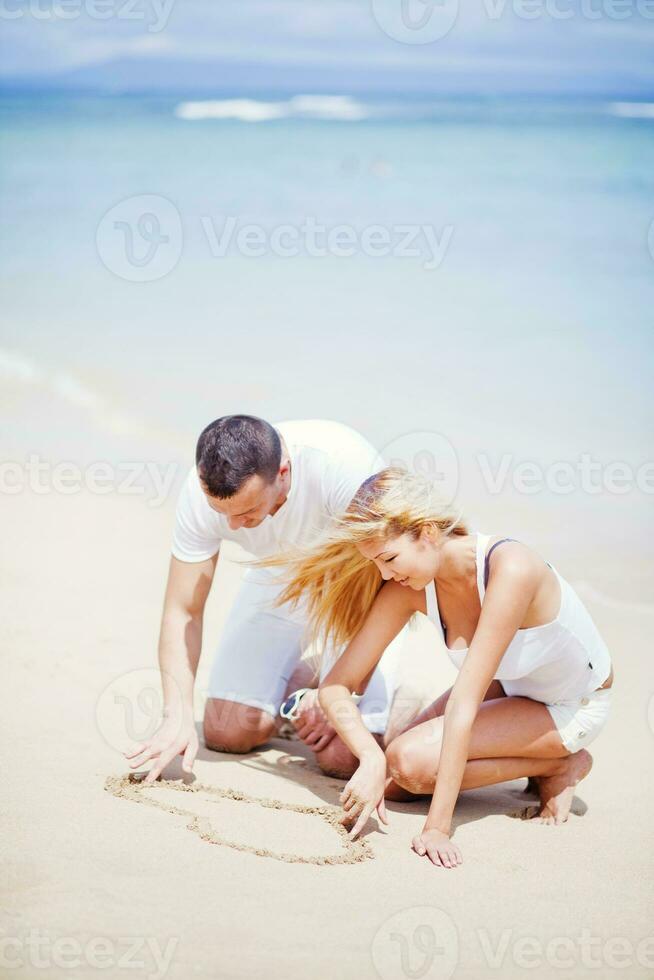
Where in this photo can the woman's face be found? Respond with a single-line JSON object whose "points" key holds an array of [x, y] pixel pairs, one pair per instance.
{"points": [[410, 561]]}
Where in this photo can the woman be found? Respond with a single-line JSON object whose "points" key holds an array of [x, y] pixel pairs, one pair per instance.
{"points": [[534, 682]]}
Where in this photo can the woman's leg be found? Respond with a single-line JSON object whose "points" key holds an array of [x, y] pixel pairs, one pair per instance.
{"points": [[511, 737], [397, 793]]}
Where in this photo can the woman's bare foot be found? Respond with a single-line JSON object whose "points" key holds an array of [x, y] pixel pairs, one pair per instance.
{"points": [[557, 791]]}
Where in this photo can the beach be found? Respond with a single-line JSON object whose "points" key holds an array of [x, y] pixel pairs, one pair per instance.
{"points": [[509, 357], [81, 862]]}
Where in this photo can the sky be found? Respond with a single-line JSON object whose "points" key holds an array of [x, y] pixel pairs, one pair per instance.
{"points": [[374, 46]]}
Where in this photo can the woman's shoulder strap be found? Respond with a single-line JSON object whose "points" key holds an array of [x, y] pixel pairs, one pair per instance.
{"points": [[489, 553]]}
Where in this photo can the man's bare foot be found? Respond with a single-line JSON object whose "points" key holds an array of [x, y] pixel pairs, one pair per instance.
{"points": [[557, 791]]}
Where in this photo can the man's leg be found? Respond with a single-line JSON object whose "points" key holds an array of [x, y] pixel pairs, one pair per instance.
{"points": [[375, 707], [233, 727], [258, 653]]}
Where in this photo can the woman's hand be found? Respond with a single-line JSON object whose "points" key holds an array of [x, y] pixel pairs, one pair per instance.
{"points": [[438, 847], [365, 793]]}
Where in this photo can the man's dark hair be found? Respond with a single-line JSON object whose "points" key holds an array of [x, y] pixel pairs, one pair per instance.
{"points": [[234, 448]]}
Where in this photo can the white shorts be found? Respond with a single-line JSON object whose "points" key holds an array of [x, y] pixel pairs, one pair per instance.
{"points": [[579, 721], [261, 645]]}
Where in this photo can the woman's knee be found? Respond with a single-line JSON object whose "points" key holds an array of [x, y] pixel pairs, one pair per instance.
{"points": [[410, 767]]}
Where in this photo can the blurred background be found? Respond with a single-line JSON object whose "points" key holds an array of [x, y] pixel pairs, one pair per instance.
{"points": [[431, 222]]}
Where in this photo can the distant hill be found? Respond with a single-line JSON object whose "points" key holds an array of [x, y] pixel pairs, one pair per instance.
{"points": [[167, 75]]}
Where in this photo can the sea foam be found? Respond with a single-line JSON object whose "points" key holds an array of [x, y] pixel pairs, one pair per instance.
{"points": [[632, 110], [335, 107]]}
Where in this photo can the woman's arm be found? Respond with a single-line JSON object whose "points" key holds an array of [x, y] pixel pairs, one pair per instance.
{"points": [[390, 611], [511, 588], [393, 607]]}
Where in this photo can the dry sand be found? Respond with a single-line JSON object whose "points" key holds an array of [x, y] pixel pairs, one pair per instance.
{"points": [[82, 582], [247, 822]]}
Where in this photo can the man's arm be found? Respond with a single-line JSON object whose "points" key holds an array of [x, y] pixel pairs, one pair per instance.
{"points": [[180, 638], [180, 644]]}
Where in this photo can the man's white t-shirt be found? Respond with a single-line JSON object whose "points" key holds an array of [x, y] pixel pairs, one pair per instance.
{"points": [[329, 462]]}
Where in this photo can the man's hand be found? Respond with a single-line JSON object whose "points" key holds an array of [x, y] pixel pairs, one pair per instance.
{"points": [[311, 724], [176, 736]]}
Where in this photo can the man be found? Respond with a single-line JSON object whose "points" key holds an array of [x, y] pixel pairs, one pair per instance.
{"points": [[269, 488]]}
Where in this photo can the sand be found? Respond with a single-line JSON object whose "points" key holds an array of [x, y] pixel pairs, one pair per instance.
{"points": [[246, 820], [241, 869]]}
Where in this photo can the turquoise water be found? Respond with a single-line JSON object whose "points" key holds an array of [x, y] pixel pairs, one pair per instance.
{"points": [[532, 336]]}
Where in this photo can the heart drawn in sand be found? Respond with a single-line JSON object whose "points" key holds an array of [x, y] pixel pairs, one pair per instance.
{"points": [[130, 787]]}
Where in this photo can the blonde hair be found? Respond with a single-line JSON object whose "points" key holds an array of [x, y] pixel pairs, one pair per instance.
{"points": [[338, 583]]}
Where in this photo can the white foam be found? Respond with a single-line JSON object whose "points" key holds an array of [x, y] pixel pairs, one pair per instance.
{"points": [[124, 425], [72, 391], [632, 110], [20, 369], [340, 107], [329, 107], [17, 367], [247, 110]]}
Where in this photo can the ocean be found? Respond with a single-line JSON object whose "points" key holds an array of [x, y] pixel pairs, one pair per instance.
{"points": [[463, 280]]}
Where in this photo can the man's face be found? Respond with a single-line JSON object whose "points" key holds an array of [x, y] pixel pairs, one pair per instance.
{"points": [[252, 504]]}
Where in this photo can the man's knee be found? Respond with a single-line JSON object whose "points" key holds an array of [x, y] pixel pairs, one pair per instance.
{"points": [[337, 760], [233, 727]]}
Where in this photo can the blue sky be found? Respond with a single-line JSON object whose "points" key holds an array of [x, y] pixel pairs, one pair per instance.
{"points": [[554, 46]]}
